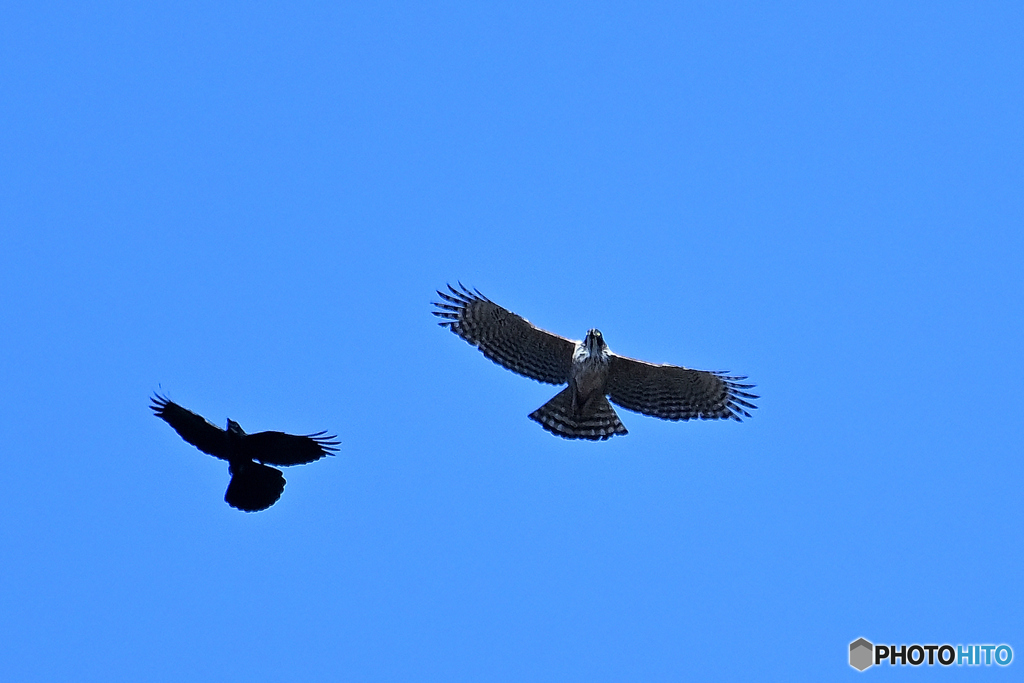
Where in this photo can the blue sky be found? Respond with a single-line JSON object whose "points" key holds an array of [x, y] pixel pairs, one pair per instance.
{"points": [[249, 206]]}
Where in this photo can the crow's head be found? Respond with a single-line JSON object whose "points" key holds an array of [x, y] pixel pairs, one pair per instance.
{"points": [[235, 429]]}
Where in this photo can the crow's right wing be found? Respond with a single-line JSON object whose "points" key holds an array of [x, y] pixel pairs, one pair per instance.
{"points": [[193, 428]]}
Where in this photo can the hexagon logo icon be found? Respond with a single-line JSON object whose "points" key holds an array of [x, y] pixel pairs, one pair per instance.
{"points": [[861, 652]]}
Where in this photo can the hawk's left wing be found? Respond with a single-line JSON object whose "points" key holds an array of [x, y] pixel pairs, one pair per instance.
{"points": [[674, 393], [508, 339]]}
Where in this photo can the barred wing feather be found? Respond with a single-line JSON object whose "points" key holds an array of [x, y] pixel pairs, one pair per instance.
{"points": [[671, 392], [506, 338]]}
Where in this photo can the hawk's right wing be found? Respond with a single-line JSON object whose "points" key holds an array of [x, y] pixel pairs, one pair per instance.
{"points": [[504, 337]]}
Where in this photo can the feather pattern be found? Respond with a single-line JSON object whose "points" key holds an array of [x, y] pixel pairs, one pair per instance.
{"points": [[676, 393], [506, 338], [594, 374]]}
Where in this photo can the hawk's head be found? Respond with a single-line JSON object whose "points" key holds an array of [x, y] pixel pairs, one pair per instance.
{"points": [[235, 428], [594, 342]]}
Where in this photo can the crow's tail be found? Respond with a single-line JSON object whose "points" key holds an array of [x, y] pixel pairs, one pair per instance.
{"points": [[253, 486]]}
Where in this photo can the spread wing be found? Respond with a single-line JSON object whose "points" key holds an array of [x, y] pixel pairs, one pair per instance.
{"points": [[506, 338], [278, 448], [254, 487], [193, 428], [674, 393]]}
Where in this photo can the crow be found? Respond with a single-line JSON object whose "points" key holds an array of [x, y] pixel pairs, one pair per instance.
{"points": [[254, 486]]}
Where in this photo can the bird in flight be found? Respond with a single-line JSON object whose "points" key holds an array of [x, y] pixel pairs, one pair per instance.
{"points": [[594, 374], [254, 486]]}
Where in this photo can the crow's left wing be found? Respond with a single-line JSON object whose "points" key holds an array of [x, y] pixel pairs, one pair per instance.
{"points": [[278, 448]]}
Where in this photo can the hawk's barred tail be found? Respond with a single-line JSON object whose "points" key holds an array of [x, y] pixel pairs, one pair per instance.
{"points": [[595, 421]]}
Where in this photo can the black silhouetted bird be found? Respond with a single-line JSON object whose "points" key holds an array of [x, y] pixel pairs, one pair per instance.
{"points": [[254, 486], [594, 374]]}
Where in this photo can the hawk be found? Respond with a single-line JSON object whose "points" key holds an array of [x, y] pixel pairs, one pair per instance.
{"points": [[254, 486], [594, 374]]}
